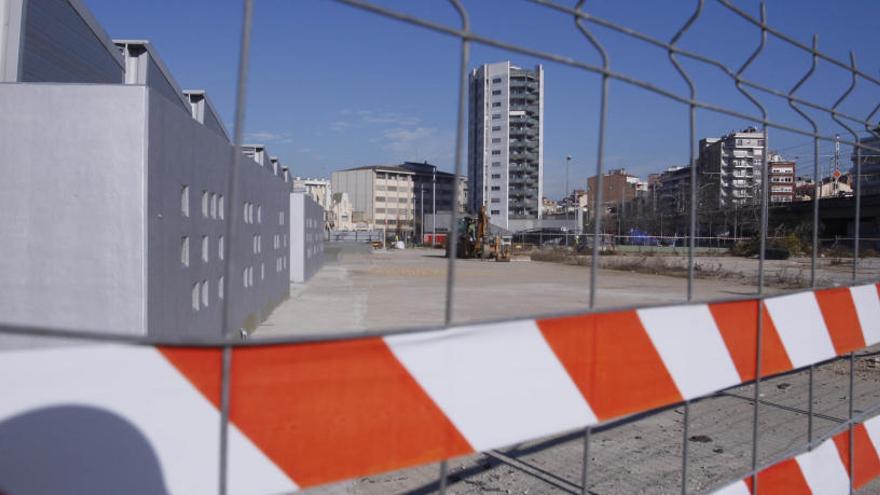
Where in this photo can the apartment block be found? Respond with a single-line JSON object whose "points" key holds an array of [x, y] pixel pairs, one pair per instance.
{"points": [[505, 142], [618, 186], [115, 206], [782, 178], [730, 168], [382, 196]]}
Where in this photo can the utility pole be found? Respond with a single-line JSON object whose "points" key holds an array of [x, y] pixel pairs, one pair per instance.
{"points": [[434, 208], [422, 220]]}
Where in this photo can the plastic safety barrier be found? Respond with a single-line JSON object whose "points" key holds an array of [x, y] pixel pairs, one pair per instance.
{"points": [[824, 469], [305, 414]]}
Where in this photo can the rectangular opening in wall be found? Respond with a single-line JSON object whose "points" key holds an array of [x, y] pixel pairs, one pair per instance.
{"points": [[184, 251], [205, 248], [195, 296], [205, 295], [184, 201]]}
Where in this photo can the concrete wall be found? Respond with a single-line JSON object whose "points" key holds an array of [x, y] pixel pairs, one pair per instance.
{"points": [[72, 197], [306, 237], [185, 297], [92, 213]]}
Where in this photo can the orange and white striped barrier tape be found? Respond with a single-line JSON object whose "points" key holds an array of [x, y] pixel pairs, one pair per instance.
{"points": [[822, 470], [305, 414]]}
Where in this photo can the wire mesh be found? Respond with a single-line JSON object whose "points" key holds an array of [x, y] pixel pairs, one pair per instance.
{"points": [[584, 21]]}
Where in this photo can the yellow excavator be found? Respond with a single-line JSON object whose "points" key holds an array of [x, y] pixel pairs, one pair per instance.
{"points": [[475, 239]]}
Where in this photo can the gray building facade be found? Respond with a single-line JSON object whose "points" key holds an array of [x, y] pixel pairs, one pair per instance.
{"points": [[505, 141], [114, 210]]}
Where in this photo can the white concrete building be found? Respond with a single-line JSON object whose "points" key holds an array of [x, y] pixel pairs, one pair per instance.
{"points": [[318, 189], [730, 168], [505, 142], [340, 213], [114, 210]]}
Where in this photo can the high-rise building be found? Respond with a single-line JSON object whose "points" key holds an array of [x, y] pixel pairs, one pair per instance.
{"points": [[730, 168], [505, 142]]}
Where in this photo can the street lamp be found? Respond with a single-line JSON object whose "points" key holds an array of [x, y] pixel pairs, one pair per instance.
{"points": [[567, 206]]}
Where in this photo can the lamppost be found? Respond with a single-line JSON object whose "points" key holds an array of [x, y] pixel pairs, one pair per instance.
{"points": [[567, 206], [434, 207], [422, 220]]}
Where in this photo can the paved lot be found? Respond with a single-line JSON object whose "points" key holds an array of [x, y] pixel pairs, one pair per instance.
{"points": [[371, 291], [363, 291]]}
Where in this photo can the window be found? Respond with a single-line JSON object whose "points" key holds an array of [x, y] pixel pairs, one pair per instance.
{"points": [[244, 277], [220, 209], [496, 91], [213, 205], [496, 176], [255, 244], [220, 287], [262, 271], [496, 152], [496, 127], [259, 214], [184, 201], [496, 104], [205, 200], [496, 188], [184, 251], [280, 218], [496, 80], [285, 240], [205, 248], [195, 296], [496, 164], [205, 298], [380, 198], [495, 212], [496, 140], [496, 116], [220, 248], [244, 212], [496, 200]]}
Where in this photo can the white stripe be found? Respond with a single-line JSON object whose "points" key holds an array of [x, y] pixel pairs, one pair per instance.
{"points": [[867, 304], [691, 347], [738, 488], [499, 384], [801, 328], [873, 428], [140, 386], [823, 470]]}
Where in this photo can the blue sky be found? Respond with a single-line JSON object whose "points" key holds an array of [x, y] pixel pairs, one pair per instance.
{"points": [[333, 87]]}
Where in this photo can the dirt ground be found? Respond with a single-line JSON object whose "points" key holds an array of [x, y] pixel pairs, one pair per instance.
{"points": [[362, 292]]}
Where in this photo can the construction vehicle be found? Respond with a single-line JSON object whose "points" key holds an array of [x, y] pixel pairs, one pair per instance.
{"points": [[476, 240]]}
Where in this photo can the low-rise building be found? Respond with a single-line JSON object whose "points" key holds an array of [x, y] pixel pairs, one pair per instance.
{"points": [[128, 236], [382, 196], [318, 189], [782, 179], [340, 213], [617, 187]]}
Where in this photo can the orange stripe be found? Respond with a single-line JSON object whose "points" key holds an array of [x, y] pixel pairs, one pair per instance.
{"points": [[784, 478], [201, 366], [839, 312], [330, 411], [612, 361], [738, 323], [326, 411], [867, 463]]}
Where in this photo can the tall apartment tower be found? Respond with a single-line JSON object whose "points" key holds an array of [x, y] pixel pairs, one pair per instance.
{"points": [[505, 142], [730, 168]]}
